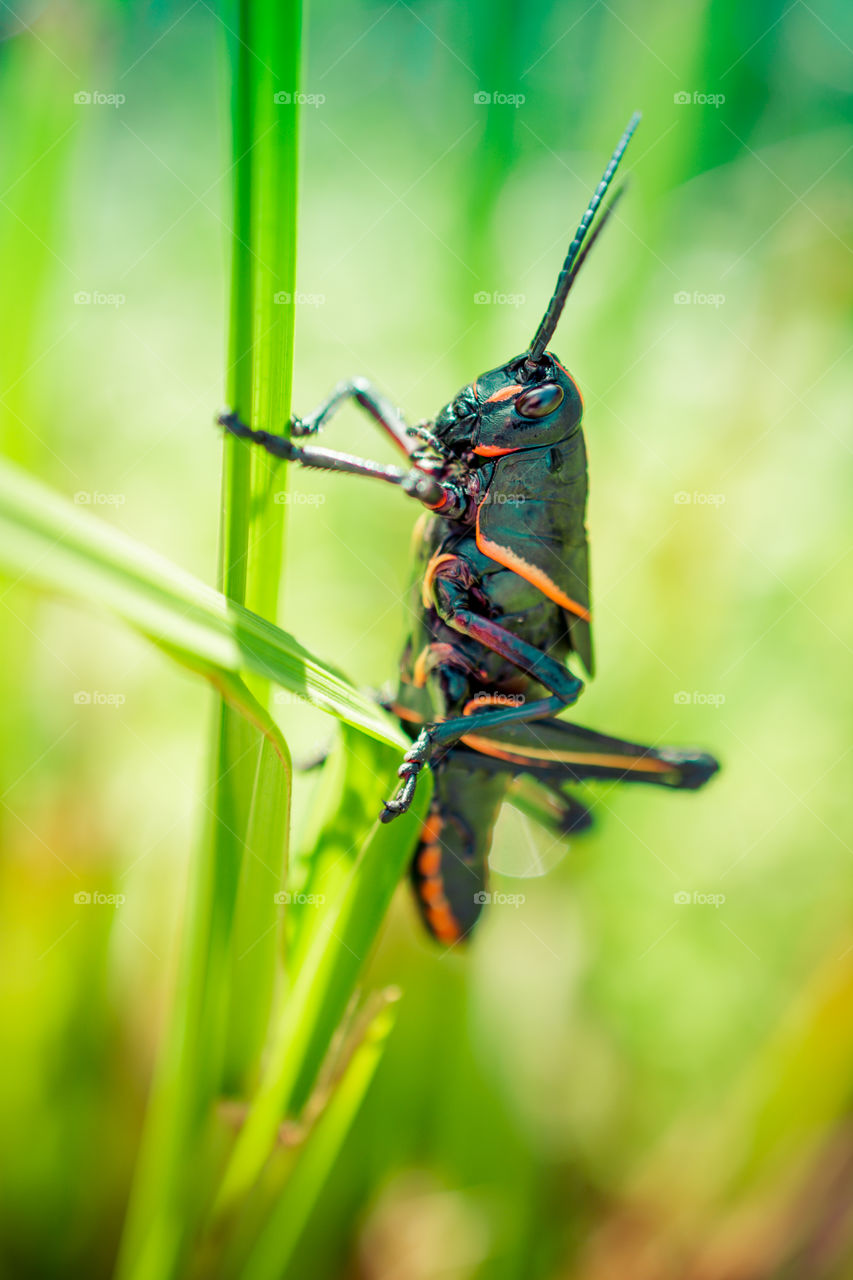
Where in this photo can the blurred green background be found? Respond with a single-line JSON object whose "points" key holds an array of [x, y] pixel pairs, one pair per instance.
{"points": [[611, 1080]]}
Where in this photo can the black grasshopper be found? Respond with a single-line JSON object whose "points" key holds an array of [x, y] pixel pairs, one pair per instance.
{"points": [[501, 601]]}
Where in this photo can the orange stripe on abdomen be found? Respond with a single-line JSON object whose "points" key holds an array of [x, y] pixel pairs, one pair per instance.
{"points": [[429, 882]]}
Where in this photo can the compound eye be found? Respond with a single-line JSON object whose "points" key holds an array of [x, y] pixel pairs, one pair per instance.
{"points": [[539, 401]]}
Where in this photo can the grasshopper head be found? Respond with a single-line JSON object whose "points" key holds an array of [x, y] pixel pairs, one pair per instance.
{"points": [[510, 408]]}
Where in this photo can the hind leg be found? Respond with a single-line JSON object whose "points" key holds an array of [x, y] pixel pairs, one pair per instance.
{"points": [[558, 752]]}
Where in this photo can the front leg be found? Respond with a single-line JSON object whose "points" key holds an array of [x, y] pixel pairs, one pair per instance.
{"points": [[448, 498], [367, 397], [308, 455]]}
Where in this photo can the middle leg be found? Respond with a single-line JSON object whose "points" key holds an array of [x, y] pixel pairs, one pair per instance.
{"points": [[450, 593]]}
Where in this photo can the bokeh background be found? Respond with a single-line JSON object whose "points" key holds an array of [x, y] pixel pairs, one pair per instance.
{"points": [[644, 1067]]}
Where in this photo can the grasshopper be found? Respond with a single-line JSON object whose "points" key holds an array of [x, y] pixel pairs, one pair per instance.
{"points": [[501, 602]]}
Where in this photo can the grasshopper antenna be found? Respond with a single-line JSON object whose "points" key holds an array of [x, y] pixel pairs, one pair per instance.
{"points": [[575, 258], [596, 232]]}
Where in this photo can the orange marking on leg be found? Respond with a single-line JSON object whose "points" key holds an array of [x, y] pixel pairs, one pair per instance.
{"points": [[437, 654], [431, 570], [418, 531], [530, 572], [419, 671], [492, 700], [406, 713], [637, 764]]}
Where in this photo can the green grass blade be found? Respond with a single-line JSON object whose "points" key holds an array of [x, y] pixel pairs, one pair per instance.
{"points": [[264, 47], [230, 954], [265, 52], [279, 1237], [51, 543], [256, 942], [323, 987], [169, 1187], [346, 800]]}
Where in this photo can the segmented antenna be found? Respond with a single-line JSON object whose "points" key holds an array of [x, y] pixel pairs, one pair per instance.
{"points": [[574, 258], [595, 233]]}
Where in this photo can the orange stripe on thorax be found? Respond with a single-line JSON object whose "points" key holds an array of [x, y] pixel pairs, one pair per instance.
{"points": [[506, 393], [493, 451], [530, 572]]}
